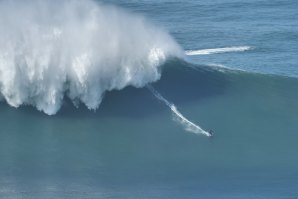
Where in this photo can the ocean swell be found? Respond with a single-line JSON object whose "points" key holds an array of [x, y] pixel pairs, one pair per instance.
{"points": [[79, 49]]}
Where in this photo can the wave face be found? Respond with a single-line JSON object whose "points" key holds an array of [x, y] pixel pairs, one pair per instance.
{"points": [[75, 48]]}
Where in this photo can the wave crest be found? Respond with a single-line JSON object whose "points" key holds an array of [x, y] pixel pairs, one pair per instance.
{"points": [[81, 49]]}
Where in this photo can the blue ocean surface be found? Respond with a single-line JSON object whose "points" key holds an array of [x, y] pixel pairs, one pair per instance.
{"points": [[229, 66]]}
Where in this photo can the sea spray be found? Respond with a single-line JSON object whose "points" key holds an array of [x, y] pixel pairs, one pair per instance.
{"points": [[187, 124], [79, 49]]}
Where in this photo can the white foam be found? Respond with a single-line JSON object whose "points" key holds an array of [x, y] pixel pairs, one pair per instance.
{"points": [[187, 124], [217, 50], [81, 49], [221, 67]]}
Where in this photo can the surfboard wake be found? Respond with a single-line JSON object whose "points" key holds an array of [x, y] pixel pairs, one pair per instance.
{"points": [[187, 124]]}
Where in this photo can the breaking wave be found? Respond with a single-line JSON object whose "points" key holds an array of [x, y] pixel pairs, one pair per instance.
{"points": [[78, 49]]}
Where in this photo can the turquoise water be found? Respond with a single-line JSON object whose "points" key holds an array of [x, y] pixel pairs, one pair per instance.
{"points": [[132, 147]]}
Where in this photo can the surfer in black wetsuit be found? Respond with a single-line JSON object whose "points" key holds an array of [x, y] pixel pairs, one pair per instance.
{"points": [[210, 133]]}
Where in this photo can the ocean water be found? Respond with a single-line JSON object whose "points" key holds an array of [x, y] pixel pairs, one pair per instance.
{"points": [[115, 99]]}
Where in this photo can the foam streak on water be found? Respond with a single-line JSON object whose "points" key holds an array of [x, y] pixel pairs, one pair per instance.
{"points": [[188, 125], [217, 50]]}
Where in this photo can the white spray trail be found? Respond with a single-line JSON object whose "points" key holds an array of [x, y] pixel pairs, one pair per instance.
{"points": [[217, 50], [188, 125]]}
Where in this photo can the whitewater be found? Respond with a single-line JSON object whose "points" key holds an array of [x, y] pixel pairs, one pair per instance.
{"points": [[77, 49], [218, 50]]}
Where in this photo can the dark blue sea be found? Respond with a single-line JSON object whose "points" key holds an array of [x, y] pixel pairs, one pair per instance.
{"points": [[149, 99]]}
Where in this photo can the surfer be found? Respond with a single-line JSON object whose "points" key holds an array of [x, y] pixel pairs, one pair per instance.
{"points": [[210, 133]]}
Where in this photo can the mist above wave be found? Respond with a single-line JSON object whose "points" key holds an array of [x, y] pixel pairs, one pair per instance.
{"points": [[79, 49]]}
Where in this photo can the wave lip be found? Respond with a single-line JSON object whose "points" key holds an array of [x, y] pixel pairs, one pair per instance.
{"points": [[79, 49], [217, 50]]}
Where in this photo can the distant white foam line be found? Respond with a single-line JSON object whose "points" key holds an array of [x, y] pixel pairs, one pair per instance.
{"points": [[188, 125], [221, 66], [217, 50]]}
